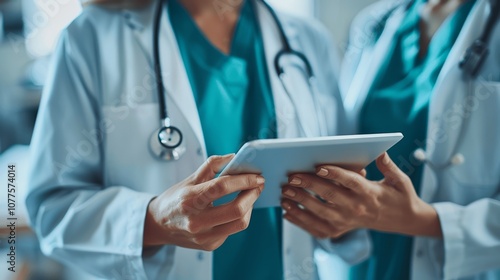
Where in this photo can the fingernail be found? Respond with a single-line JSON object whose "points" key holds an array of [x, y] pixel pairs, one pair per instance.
{"points": [[260, 180], [290, 193], [322, 172], [386, 159], [286, 205], [295, 181]]}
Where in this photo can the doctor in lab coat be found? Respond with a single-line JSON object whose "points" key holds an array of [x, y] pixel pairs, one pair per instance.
{"points": [[93, 173], [453, 214]]}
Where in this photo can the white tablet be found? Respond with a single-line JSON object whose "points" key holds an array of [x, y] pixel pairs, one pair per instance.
{"points": [[276, 158]]}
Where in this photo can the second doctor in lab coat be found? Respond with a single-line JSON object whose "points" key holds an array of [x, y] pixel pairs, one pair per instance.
{"points": [[94, 175], [445, 225]]}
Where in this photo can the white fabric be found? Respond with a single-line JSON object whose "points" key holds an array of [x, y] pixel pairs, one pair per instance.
{"points": [[93, 174], [465, 196]]}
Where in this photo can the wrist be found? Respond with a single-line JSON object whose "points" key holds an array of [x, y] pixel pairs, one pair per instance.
{"points": [[426, 221], [152, 230]]}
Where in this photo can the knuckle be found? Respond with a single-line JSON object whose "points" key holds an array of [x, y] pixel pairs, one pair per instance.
{"points": [[406, 180], [212, 246], [222, 186], [250, 181], [239, 210], [354, 182], [333, 173], [193, 227], [198, 241], [208, 247], [328, 194], [306, 183], [293, 211], [359, 210], [336, 234], [299, 197], [241, 225], [185, 206], [258, 191], [211, 160]]}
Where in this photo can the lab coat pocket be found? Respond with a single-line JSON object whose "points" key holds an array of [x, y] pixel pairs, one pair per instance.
{"points": [[127, 156], [480, 173]]}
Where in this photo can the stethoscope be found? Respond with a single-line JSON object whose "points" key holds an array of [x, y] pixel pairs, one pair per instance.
{"points": [[167, 142]]}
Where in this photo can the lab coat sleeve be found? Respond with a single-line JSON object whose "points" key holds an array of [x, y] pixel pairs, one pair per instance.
{"points": [[78, 220], [471, 236], [354, 247]]}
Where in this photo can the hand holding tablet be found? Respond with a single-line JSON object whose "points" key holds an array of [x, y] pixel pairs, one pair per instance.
{"points": [[276, 158]]}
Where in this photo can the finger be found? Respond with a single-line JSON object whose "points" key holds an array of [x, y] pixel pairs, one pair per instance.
{"points": [[211, 167], [305, 219], [233, 210], [222, 186], [353, 167], [309, 202], [327, 190], [313, 231], [234, 226], [362, 172], [390, 170], [349, 179]]}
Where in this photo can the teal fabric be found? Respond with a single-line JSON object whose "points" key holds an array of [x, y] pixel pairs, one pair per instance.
{"points": [[235, 105], [399, 102]]}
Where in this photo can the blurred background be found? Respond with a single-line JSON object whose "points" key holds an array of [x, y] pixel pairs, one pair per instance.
{"points": [[29, 30]]}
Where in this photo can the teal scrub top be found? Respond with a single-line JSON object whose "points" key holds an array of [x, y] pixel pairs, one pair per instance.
{"points": [[399, 101], [235, 105]]}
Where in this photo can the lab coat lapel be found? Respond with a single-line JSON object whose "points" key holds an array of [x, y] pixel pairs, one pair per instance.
{"points": [[449, 97], [285, 112], [175, 79], [370, 65]]}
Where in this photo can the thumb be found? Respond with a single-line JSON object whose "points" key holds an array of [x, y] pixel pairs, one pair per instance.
{"points": [[392, 174], [211, 167]]}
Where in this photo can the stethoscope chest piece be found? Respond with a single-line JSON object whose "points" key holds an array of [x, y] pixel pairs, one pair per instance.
{"points": [[166, 143]]}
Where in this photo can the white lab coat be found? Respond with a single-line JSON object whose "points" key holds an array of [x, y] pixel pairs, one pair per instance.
{"points": [[94, 175], [465, 196]]}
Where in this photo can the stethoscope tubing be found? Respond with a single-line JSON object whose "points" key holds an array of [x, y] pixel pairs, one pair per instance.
{"points": [[165, 121]]}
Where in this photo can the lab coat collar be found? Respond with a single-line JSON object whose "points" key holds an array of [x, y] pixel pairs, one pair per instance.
{"points": [[372, 59], [370, 66], [177, 83], [140, 18]]}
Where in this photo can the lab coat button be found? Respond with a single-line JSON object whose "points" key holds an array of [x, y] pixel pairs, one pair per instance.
{"points": [[288, 251], [199, 151], [200, 256]]}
